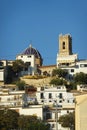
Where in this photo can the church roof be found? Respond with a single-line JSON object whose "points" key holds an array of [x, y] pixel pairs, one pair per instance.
{"points": [[32, 51]]}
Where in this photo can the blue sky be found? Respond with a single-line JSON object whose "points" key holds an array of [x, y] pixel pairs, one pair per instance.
{"points": [[39, 22]]}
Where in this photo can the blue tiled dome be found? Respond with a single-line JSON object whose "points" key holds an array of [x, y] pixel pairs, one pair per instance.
{"points": [[32, 51]]}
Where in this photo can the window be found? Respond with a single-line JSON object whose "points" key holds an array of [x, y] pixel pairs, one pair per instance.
{"points": [[48, 116], [53, 125], [50, 95], [68, 101], [72, 70], [83, 65], [70, 46], [77, 66], [58, 87], [60, 107], [28, 63], [42, 100], [60, 101], [67, 111], [21, 56], [29, 56], [26, 69], [73, 101], [60, 95], [42, 88], [1, 63], [63, 45], [41, 95]]}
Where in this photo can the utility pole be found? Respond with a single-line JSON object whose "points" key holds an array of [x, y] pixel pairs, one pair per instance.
{"points": [[56, 118]]}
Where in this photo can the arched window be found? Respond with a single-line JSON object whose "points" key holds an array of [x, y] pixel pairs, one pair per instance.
{"points": [[63, 45]]}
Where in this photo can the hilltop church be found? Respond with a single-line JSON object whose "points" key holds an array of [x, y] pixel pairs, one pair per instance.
{"points": [[32, 58], [65, 56], [66, 59], [34, 61]]}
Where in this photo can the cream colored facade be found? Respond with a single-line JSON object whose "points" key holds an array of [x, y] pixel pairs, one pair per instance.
{"points": [[65, 57], [81, 112], [65, 45], [2, 75], [47, 69], [3, 62], [31, 110], [82, 87]]}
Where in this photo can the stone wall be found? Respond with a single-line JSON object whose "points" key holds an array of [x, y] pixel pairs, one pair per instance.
{"points": [[37, 82]]}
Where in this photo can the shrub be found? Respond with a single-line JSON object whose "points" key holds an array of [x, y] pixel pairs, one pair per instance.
{"points": [[20, 85]]}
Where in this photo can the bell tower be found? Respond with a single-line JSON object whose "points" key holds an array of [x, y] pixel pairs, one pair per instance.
{"points": [[65, 57], [65, 45]]}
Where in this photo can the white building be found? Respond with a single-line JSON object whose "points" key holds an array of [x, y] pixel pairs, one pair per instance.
{"points": [[13, 99], [53, 115], [80, 66], [82, 87], [36, 110], [57, 102], [1, 74], [81, 112], [52, 102], [66, 59], [3, 71], [32, 58], [49, 95], [10, 98]]}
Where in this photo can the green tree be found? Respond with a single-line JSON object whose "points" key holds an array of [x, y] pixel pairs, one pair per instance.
{"points": [[18, 66], [70, 85], [9, 74], [68, 120], [20, 84], [80, 78], [8, 119], [31, 123], [59, 73], [58, 81]]}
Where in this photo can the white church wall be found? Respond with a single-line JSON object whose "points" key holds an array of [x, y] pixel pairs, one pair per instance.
{"points": [[2, 75]]}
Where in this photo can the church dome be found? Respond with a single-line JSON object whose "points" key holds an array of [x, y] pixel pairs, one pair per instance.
{"points": [[32, 51]]}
